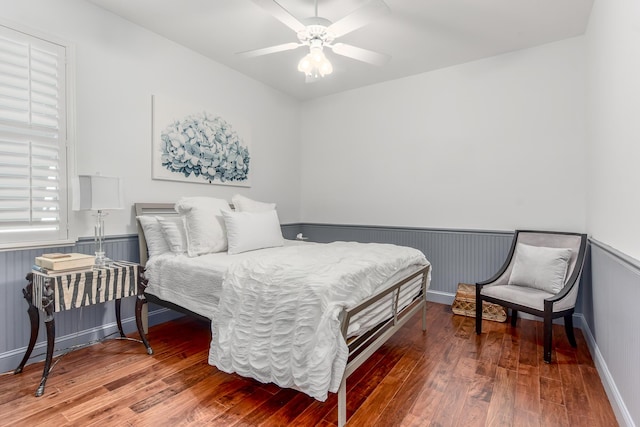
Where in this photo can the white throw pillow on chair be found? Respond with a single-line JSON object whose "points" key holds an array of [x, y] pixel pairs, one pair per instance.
{"points": [[540, 267]]}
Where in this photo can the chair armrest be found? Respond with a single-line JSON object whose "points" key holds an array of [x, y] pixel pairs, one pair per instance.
{"points": [[575, 276], [504, 266], [489, 281], [560, 295]]}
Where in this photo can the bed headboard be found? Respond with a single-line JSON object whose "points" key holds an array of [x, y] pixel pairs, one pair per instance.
{"points": [[160, 209]]}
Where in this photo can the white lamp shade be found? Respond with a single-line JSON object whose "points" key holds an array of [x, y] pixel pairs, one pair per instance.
{"points": [[96, 192]]}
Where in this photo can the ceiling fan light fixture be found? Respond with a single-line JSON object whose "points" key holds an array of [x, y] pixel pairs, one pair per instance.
{"points": [[315, 63], [317, 33]]}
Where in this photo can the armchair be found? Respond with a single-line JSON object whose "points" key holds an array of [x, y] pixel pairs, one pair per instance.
{"points": [[541, 276]]}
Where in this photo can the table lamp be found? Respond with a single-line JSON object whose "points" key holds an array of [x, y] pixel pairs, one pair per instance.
{"points": [[98, 193]]}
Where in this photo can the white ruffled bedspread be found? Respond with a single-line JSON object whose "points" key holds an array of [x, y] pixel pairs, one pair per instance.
{"points": [[278, 316]]}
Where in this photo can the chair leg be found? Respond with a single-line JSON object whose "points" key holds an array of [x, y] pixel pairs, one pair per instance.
{"points": [[514, 317], [478, 311], [548, 331], [568, 327]]}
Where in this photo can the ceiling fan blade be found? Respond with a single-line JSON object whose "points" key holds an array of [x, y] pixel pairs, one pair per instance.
{"points": [[360, 54], [281, 14], [269, 50], [359, 18]]}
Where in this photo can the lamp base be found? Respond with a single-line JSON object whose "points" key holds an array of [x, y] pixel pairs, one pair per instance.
{"points": [[101, 260]]}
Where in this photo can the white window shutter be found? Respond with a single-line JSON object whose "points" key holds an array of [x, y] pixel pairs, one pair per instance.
{"points": [[33, 139]]}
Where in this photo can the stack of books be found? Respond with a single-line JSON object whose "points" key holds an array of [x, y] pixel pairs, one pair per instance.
{"points": [[61, 263]]}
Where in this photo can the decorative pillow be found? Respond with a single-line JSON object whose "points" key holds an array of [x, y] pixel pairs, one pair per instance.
{"points": [[247, 231], [174, 233], [540, 267], [245, 204], [204, 224], [156, 244]]}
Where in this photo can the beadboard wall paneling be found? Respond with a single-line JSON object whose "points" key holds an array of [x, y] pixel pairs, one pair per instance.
{"points": [[606, 308], [289, 231], [455, 255], [74, 327], [611, 313]]}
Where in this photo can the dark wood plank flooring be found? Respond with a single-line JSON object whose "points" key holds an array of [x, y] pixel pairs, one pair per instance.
{"points": [[447, 376]]}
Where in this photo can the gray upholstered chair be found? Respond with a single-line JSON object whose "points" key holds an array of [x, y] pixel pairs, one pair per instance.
{"points": [[541, 277]]}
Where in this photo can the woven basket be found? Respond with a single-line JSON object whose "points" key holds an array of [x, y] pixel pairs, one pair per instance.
{"points": [[465, 305]]}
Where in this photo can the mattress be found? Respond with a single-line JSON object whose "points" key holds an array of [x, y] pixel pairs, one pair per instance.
{"points": [[195, 283]]}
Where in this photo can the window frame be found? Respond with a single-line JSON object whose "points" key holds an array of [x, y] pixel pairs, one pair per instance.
{"points": [[70, 131]]}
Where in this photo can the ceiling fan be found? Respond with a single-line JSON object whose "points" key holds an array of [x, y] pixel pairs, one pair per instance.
{"points": [[316, 33]]}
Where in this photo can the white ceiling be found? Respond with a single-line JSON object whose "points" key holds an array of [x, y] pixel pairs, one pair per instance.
{"points": [[420, 35]]}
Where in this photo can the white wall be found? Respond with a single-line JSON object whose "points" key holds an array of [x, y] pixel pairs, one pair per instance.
{"points": [[613, 38], [613, 87], [118, 67], [492, 144]]}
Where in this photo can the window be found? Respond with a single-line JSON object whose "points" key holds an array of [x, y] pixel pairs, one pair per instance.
{"points": [[33, 140]]}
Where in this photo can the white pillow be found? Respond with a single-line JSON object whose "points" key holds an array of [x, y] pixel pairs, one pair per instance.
{"points": [[245, 204], [248, 231], [156, 244], [540, 267], [174, 233], [204, 224]]}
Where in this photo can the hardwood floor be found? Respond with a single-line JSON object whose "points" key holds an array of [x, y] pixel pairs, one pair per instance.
{"points": [[445, 377]]}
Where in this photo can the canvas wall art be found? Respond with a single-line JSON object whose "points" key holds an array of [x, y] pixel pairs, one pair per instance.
{"points": [[199, 144]]}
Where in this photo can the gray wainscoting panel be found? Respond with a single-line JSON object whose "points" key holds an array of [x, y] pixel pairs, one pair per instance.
{"points": [[456, 256], [74, 327], [608, 298], [289, 231], [611, 313]]}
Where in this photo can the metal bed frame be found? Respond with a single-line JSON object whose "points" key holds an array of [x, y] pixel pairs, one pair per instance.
{"points": [[360, 347]]}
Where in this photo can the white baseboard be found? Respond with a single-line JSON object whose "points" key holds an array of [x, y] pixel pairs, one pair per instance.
{"points": [[10, 359], [619, 408], [440, 297]]}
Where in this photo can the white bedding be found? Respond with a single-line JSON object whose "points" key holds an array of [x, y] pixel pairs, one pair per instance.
{"points": [[194, 283], [278, 314]]}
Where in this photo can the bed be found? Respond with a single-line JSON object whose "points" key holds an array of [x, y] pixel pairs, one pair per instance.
{"points": [[225, 289]]}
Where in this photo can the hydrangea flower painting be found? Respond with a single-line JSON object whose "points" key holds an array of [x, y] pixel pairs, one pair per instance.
{"points": [[199, 147], [204, 146]]}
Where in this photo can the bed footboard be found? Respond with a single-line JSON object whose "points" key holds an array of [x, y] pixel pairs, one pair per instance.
{"points": [[363, 346]]}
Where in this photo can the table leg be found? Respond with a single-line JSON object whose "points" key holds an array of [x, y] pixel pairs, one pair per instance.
{"points": [[47, 306], [119, 318], [34, 317], [51, 337], [141, 302]]}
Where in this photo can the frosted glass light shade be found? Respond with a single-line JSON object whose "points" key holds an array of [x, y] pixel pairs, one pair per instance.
{"points": [[315, 63], [96, 192]]}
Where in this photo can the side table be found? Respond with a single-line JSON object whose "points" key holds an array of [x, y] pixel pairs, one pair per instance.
{"points": [[57, 292]]}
